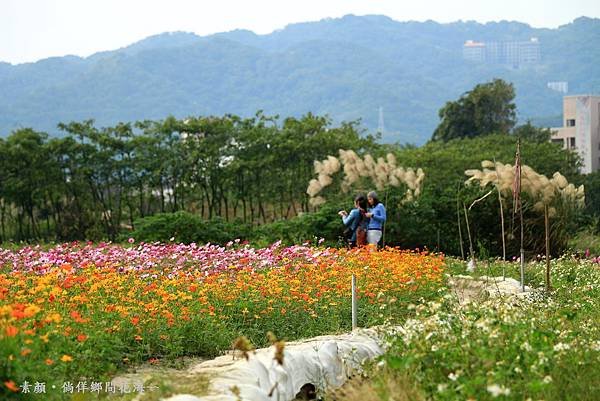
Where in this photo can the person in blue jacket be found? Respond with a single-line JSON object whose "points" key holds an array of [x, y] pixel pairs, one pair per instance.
{"points": [[357, 221], [377, 217]]}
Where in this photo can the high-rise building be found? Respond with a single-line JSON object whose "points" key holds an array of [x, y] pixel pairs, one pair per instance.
{"points": [[512, 53], [559, 86], [581, 130], [474, 51]]}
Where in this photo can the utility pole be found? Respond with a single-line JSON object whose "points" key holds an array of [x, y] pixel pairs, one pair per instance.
{"points": [[381, 126]]}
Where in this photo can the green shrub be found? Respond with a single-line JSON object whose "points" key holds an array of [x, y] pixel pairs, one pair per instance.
{"points": [[186, 227], [324, 223]]}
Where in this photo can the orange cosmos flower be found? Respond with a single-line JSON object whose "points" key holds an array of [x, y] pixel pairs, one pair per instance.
{"points": [[11, 331], [49, 362], [77, 317], [25, 352], [11, 386], [67, 267], [81, 338]]}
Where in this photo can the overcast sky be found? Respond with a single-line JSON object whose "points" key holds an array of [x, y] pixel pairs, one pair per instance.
{"points": [[34, 29]]}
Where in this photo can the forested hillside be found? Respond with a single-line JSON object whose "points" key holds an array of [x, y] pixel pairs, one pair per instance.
{"points": [[346, 68]]}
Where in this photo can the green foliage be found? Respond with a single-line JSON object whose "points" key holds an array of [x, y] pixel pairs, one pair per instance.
{"points": [[432, 220], [536, 348], [531, 133], [586, 241], [247, 178], [592, 198], [324, 223], [488, 108], [184, 227]]}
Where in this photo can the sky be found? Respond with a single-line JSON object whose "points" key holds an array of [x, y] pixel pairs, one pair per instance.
{"points": [[31, 30]]}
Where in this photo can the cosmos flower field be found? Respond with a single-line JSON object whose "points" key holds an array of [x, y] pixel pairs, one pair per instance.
{"points": [[88, 311]]}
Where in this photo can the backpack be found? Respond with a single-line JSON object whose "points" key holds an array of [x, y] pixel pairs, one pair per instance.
{"points": [[361, 229]]}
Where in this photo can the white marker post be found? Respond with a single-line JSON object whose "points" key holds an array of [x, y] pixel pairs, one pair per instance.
{"points": [[354, 306]]}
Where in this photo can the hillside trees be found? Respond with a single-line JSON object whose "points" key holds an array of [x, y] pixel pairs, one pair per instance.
{"points": [[486, 109]]}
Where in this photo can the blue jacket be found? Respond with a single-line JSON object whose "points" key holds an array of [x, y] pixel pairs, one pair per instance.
{"points": [[353, 220], [378, 217]]}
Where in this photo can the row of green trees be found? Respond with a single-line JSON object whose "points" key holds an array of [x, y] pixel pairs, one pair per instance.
{"points": [[95, 182], [220, 178]]}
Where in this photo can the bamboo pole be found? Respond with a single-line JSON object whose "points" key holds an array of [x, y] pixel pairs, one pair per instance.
{"points": [[460, 238], [521, 216], [469, 235], [503, 239], [501, 218], [547, 229]]}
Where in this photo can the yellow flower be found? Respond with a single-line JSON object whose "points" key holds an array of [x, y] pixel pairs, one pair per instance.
{"points": [[66, 358], [31, 310], [53, 317]]}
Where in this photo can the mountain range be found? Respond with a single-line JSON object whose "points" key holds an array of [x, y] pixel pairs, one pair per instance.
{"points": [[347, 68]]}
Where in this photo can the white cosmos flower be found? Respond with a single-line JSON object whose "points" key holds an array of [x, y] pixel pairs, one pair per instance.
{"points": [[496, 390], [453, 376], [561, 347]]}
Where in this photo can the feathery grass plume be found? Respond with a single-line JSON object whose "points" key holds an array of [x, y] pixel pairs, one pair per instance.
{"points": [[560, 180], [391, 159], [539, 206], [382, 172], [317, 201], [400, 173], [488, 164], [410, 178], [333, 165], [360, 167], [324, 180], [580, 196], [548, 194], [314, 187], [408, 197], [318, 167], [541, 189]]}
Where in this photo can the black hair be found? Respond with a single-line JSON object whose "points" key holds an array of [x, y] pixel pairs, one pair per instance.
{"points": [[362, 201]]}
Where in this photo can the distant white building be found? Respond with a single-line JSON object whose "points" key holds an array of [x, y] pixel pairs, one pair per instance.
{"points": [[559, 86], [512, 53], [474, 51], [581, 130]]}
